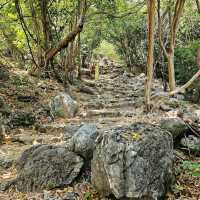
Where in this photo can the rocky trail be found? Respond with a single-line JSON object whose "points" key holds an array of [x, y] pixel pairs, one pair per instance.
{"points": [[114, 101]]}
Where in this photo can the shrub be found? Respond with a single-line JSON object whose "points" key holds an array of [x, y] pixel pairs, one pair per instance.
{"points": [[185, 61]]}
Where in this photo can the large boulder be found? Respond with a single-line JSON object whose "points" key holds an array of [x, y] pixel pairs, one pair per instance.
{"points": [[176, 126], [83, 140], [133, 162], [64, 106], [47, 167]]}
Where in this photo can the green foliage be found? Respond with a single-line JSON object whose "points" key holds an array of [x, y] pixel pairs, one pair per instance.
{"points": [[50, 185], [192, 167], [88, 195], [107, 49], [59, 112], [185, 61], [18, 80], [128, 34]]}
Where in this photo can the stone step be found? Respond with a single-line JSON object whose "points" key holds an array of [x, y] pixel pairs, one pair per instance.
{"points": [[103, 113], [121, 104], [109, 105], [109, 113]]}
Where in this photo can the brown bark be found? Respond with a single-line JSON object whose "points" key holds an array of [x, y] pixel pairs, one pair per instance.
{"points": [[150, 60], [171, 72]]}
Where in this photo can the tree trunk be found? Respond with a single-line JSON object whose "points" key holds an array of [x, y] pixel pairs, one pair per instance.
{"points": [[150, 57], [198, 6], [171, 72], [45, 23], [173, 24]]}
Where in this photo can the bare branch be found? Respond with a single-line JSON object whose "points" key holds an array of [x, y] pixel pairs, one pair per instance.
{"points": [[160, 30]]}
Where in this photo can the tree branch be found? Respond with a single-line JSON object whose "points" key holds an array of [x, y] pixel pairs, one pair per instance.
{"points": [[160, 30], [182, 88], [65, 42]]}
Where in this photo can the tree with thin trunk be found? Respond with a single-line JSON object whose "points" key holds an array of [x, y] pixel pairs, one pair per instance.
{"points": [[150, 57], [173, 26]]}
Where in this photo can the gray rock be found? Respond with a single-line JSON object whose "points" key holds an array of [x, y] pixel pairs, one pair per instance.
{"points": [[47, 167], [71, 196], [176, 126], [70, 130], [68, 196], [5, 161], [133, 162], [64, 106], [191, 142], [83, 141]]}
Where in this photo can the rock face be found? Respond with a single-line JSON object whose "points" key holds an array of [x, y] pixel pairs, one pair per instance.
{"points": [[133, 162], [47, 167], [64, 106], [83, 140], [175, 126]]}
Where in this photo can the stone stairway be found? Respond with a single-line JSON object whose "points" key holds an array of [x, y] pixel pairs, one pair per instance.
{"points": [[118, 96]]}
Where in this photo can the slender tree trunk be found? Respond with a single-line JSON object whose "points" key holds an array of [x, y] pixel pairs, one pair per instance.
{"points": [[198, 6], [150, 57], [171, 71], [173, 24]]}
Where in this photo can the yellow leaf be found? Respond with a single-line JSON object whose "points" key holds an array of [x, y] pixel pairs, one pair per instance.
{"points": [[136, 136]]}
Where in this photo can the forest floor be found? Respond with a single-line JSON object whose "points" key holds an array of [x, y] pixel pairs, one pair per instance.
{"points": [[115, 99]]}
